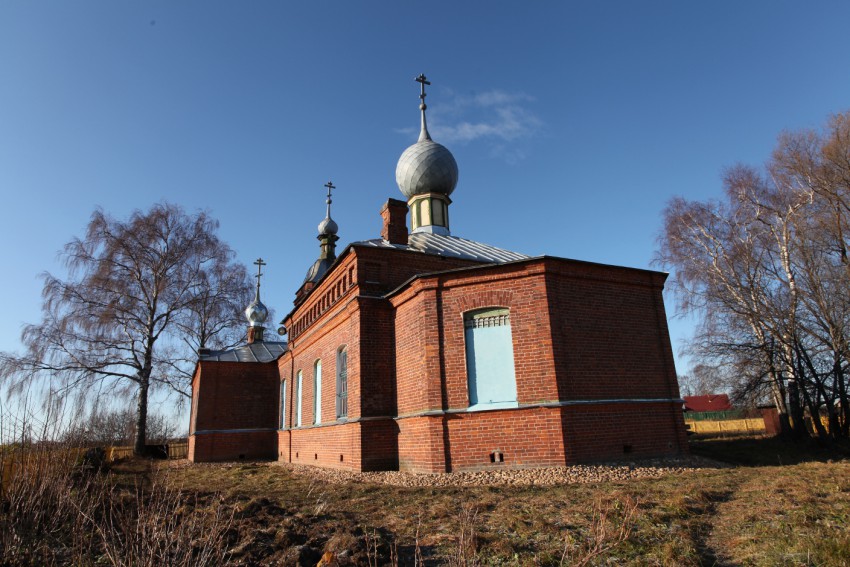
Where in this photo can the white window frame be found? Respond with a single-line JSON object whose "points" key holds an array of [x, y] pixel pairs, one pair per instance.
{"points": [[317, 392], [283, 404], [298, 398]]}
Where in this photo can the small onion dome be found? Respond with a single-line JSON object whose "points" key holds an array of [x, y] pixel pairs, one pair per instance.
{"points": [[426, 167], [328, 226], [257, 313]]}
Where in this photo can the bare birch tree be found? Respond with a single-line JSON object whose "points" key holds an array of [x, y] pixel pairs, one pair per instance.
{"points": [[137, 292], [767, 269]]}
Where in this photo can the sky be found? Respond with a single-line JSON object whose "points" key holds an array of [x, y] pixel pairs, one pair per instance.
{"points": [[573, 123]]}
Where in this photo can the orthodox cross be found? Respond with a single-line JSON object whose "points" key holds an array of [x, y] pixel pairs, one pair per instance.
{"points": [[259, 263], [422, 81], [330, 186]]}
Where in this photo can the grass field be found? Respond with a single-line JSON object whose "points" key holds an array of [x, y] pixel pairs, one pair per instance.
{"points": [[782, 505], [774, 503]]}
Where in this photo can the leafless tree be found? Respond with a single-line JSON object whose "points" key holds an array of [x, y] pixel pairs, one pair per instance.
{"points": [[702, 380], [767, 269], [137, 292]]}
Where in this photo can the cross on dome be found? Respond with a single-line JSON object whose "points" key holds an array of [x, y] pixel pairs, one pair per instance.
{"points": [[330, 186], [328, 226], [257, 313], [422, 81], [259, 263], [423, 134], [426, 173]]}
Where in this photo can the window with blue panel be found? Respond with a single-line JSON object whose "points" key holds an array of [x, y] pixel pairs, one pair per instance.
{"points": [[490, 359]]}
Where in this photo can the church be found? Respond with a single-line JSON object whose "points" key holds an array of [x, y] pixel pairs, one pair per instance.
{"points": [[423, 351]]}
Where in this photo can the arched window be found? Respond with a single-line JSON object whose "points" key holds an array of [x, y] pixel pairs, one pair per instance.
{"points": [[283, 405], [317, 391], [298, 384], [490, 358], [341, 383]]}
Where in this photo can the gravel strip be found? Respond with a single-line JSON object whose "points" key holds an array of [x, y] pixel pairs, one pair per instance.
{"points": [[653, 468]]}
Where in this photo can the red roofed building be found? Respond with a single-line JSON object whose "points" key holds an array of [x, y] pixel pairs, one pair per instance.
{"points": [[710, 402]]}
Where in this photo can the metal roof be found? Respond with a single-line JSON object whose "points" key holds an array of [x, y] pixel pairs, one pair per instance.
{"points": [[317, 270], [258, 351], [450, 246]]}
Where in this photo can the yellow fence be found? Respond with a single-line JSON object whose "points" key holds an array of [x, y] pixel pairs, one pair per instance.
{"points": [[730, 426]]}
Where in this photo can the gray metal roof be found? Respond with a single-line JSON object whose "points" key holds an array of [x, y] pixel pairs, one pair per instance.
{"points": [[451, 246], [318, 269], [259, 351]]}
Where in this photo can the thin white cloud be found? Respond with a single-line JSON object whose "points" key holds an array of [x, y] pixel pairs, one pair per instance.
{"points": [[494, 115], [503, 122], [496, 118]]}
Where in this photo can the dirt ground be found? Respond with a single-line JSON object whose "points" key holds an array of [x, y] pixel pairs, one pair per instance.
{"points": [[738, 502]]}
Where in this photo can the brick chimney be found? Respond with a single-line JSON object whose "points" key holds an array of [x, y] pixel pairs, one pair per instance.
{"points": [[255, 334], [394, 213]]}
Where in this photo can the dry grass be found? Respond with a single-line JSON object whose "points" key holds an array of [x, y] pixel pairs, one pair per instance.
{"points": [[57, 510], [792, 514], [264, 513]]}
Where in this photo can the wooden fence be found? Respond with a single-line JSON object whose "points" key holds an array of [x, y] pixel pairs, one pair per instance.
{"points": [[728, 426], [175, 451], [13, 464]]}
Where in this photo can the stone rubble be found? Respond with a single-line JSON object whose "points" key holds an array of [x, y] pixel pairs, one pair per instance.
{"points": [[652, 468]]}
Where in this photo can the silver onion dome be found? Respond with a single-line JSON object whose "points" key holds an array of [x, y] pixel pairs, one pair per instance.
{"points": [[426, 167], [257, 313], [328, 226]]}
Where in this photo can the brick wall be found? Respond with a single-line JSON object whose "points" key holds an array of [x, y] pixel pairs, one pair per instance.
{"points": [[529, 437], [580, 331], [237, 397], [375, 376], [610, 332], [234, 395], [525, 437], [597, 432], [421, 444], [379, 442], [520, 288], [332, 446], [232, 446]]}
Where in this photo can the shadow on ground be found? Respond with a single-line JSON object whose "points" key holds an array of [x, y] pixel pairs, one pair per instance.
{"points": [[769, 451]]}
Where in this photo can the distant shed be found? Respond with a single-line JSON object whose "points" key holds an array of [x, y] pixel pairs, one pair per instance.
{"points": [[707, 403]]}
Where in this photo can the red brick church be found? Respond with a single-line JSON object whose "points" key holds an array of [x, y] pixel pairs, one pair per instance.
{"points": [[423, 351]]}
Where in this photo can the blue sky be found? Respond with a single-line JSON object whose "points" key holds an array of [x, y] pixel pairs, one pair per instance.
{"points": [[572, 123]]}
